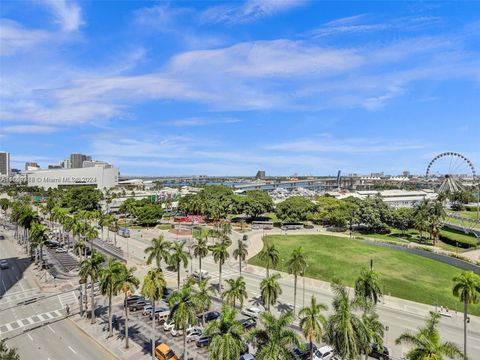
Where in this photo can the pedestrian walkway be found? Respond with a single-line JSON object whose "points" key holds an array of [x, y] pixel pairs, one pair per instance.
{"points": [[19, 295], [31, 320], [70, 298]]}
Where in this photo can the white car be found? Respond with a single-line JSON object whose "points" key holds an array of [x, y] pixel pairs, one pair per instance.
{"points": [[169, 325], [60, 250], [194, 333], [147, 310], [252, 311], [205, 275], [323, 353]]}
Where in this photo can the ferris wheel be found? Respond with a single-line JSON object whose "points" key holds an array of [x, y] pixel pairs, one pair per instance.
{"points": [[451, 172]]}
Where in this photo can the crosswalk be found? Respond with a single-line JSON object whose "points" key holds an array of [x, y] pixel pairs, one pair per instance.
{"points": [[68, 298], [31, 320], [18, 296]]}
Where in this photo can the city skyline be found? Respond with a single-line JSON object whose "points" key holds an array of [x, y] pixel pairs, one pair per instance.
{"points": [[230, 88]]}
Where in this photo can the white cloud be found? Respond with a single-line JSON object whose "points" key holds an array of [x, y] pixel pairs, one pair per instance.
{"points": [[67, 13], [326, 144], [29, 129], [15, 38], [249, 11], [202, 121], [359, 24]]}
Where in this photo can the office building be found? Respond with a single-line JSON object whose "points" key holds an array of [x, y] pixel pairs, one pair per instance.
{"points": [[260, 175], [4, 163], [93, 163], [31, 166], [76, 160], [96, 176], [66, 164]]}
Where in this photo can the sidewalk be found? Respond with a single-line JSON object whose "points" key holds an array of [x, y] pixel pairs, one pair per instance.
{"points": [[115, 344]]}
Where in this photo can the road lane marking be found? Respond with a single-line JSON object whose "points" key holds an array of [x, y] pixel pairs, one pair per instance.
{"points": [[72, 349], [51, 328], [30, 337]]}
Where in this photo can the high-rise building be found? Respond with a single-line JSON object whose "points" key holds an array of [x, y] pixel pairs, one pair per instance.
{"points": [[76, 160], [93, 163], [66, 164], [260, 175], [4, 163], [30, 165]]}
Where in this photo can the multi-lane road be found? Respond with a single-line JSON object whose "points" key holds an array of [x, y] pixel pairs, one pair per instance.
{"points": [[39, 330]]}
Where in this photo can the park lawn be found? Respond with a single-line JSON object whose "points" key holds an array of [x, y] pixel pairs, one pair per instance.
{"points": [[465, 223], [455, 235], [403, 275]]}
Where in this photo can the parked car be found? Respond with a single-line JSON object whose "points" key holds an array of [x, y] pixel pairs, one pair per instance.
{"points": [[139, 305], [245, 237], [323, 353], [168, 325], [379, 354], [205, 275], [252, 311], [163, 352], [211, 315], [3, 264], [303, 353], [194, 333], [132, 300], [166, 293], [203, 341], [248, 323], [158, 311], [247, 357]]}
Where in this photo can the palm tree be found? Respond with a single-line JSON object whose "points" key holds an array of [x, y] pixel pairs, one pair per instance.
{"points": [[200, 249], [38, 237], [79, 248], [152, 288], [240, 253], [183, 312], [157, 251], [109, 285], [368, 287], [92, 267], [270, 290], [237, 291], [275, 339], [227, 336], [345, 330], [220, 255], [312, 322], [202, 297], [427, 343], [270, 256], [178, 256], [296, 265], [466, 289], [374, 330], [128, 282]]}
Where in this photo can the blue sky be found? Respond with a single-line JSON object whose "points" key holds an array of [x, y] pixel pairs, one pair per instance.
{"points": [[227, 88]]}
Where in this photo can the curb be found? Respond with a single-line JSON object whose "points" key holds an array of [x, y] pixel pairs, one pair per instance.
{"points": [[93, 338]]}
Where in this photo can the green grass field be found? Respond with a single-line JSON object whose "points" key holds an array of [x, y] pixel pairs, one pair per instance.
{"points": [[404, 275], [470, 224]]}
